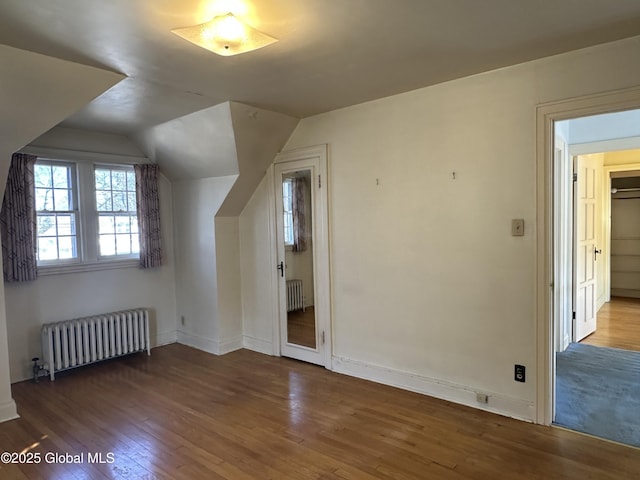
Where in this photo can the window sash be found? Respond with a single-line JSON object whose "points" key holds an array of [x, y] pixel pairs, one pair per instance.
{"points": [[60, 242], [117, 201]]}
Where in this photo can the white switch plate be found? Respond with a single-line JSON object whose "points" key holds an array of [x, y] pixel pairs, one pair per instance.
{"points": [[517, 227]]}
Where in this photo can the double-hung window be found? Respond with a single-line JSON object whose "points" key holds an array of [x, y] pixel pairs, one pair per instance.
{"points": [[86, 215], [115, 191], [56, 212]]}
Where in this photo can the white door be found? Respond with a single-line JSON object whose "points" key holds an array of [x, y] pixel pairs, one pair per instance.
{"points": [[586, 250], [302, 255]]}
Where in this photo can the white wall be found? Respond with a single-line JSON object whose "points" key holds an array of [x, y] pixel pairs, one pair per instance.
{"points": [[87, 141], [229, 308], [195, 205], [258, 268], [429, 289]]}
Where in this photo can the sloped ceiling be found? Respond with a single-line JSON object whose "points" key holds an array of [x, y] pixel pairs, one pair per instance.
{"points": [[228, 139], [259, 136], [198, 145], [37, 92]]}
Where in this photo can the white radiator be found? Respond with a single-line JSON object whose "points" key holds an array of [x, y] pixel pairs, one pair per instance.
{"points": [[295, 295], [73, 343]]}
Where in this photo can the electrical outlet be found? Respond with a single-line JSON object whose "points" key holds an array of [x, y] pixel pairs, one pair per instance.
{"points": [[517, 227], [519, 374], [482, 398]]}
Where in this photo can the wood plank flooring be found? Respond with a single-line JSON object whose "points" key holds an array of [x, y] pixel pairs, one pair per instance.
{"points": [[618, 325], [186, 414]]}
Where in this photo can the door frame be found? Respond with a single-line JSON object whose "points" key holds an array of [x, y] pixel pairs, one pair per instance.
{"points": [[321, 265], [546, 115]]}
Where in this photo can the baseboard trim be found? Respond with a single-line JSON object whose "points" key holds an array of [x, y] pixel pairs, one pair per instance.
{"points": [[164, 338], [500, 404], [208, 344], [622, 292], [230, 345], [8, 411], [257, 345]]}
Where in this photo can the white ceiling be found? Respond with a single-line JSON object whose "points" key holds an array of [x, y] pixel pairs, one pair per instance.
{"points": [[331, 53]]}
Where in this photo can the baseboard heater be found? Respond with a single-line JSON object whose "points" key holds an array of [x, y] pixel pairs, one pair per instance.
{"points": [[295, 295], [73, 343]]}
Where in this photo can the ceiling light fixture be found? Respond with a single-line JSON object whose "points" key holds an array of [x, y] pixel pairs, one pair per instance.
{"points": [[225, 35]]}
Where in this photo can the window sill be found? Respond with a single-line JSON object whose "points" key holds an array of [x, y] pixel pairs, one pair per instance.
{"points": [[87, 267]]}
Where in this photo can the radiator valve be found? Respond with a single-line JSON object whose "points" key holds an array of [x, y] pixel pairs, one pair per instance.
{"points": [[38, 369]]}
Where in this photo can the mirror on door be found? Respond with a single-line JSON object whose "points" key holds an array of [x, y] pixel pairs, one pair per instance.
{"points": [[298, 245]]}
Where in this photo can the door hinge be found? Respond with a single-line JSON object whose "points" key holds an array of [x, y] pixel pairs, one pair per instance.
{"points": [[575, 177], [322, 337], [319, 181], [573, 315]]}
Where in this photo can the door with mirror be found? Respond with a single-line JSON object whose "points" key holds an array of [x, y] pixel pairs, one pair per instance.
{"points": [[300, 231]]}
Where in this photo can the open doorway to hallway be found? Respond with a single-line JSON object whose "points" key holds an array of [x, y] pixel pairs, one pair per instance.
{"points": [[597, 259]]}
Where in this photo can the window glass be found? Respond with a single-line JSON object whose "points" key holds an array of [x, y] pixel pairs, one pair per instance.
{"points": [[116, 207], [56, 212]]}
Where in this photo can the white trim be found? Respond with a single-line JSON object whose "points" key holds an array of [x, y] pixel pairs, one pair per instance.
{"points": [[82, 155], [607, 221], [8, 411], [273, 256], [257, 345], [164, 338], [546, 115], [208, 344], [500, 404], [304, 153], [314, 159]]}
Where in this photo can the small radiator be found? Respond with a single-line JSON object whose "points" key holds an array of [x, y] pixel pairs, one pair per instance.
{"points": [[73, 343], [295, 295]]}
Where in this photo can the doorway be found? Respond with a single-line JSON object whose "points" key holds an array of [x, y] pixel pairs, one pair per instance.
{"points": [[586, 374], [550, 293], [301, 224]]}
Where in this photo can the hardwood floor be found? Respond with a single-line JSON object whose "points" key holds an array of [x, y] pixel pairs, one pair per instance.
{"points": [[301, 327], [186, 414], [618, 325]]}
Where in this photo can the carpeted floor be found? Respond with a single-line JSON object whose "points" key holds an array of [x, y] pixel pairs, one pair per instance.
{"points": [[598, 392]]}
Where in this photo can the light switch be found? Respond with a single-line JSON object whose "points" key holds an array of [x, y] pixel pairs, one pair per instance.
{"points": [[517, 227]]}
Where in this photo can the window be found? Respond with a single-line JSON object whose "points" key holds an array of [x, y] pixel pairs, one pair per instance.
{"points": [[287, 206], [115, 189], [56, 212], [86, 214]]}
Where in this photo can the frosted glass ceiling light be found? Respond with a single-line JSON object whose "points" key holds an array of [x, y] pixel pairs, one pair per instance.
{"points": [[225, 35]]}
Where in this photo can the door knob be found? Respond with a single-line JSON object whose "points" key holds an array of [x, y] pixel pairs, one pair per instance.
{"points": [[595, 253], [281, 268]]}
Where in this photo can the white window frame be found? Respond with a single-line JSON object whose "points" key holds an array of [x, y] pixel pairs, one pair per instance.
{"points": [[101, 258], [87, 227], [75, 210]]}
